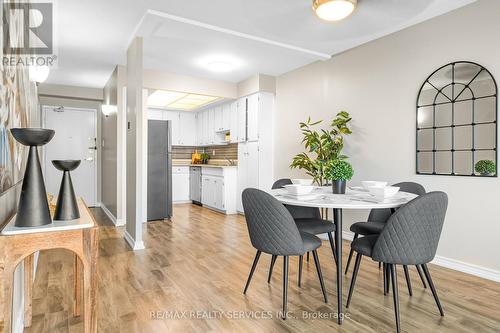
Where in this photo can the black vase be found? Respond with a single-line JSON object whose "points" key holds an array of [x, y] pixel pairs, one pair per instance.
{"points": [[33, 209], [338, 186], [66, 207]]}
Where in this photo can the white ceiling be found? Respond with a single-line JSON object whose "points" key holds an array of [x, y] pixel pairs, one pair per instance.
{"points": [[268, 37]]}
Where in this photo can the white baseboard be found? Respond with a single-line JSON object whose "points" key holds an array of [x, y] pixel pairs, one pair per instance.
{"points": [[132, 243], [464, 267], [116, 222]]}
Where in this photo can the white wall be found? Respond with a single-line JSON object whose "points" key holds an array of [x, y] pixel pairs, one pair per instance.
{"points": [[378, 84]]}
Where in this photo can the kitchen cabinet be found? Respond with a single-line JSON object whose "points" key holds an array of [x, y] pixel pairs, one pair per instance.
{"points": [[226, 116], [205, 127], [173, 116], [242, 120], [180, 184], [233, 122], [218, 189], [155, 114], [253, 117], [211, 126], [199, 129], [248, 168], [187, 132], [218, 119]]}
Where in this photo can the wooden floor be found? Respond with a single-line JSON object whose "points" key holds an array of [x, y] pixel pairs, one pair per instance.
{"points": [[191, 276]]}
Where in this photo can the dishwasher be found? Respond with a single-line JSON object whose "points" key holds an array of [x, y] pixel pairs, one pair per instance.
{"points": [[195, 185]]}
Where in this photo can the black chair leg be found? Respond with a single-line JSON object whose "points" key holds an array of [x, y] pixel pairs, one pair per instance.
{"points": [[354, 276], [320, 275], [433, 289], [350, 255], [387, 278], [255, 261], [273, 261], [394, 276], [384, 278], [285, 286], [408, 281], [419, 270], [300, 270], [332, 245]]}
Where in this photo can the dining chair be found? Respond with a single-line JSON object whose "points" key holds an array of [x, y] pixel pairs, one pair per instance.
{"points": [[307, 219], [410, 237], [376, 222], [272, 230]]}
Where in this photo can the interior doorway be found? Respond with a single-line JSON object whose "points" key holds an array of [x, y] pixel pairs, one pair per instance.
{"points": [[75, 139]]}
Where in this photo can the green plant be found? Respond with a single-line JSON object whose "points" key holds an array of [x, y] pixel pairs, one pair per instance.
{"points": [[485, 167], [339, 170], [322, 147], [204, 158]]}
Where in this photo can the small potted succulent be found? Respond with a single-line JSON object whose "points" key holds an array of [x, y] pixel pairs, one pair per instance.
{"points": [[339, 172], [485, 167]]}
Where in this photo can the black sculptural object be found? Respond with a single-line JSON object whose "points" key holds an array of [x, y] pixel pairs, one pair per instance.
{"points": [[33, 208], [66, 207]]}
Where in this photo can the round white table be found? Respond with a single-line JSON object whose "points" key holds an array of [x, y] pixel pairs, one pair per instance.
{"points": [[322, 197]]}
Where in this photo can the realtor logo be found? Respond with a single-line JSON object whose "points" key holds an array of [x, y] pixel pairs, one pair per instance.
{"points": [[27, 28]]}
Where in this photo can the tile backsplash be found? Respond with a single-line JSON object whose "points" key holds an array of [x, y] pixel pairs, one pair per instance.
{"points": [[229, 151]]}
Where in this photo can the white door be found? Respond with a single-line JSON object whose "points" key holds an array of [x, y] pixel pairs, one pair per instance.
{"points": [[205, 127], [219, 193], [242, 173], [253, 118], [226, 116], [252, 161], [211, 126], [75, 139], [199, 129], [218, 118]]}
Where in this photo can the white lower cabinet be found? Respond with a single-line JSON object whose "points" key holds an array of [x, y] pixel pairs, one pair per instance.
{"points": [[218, 189], [180, 184]]}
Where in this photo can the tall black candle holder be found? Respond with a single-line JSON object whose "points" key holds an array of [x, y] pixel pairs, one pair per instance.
{"points": [[33, 209], [66, 207]]}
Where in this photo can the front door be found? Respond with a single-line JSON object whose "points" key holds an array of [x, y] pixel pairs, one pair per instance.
{"points": [[75, 139]]}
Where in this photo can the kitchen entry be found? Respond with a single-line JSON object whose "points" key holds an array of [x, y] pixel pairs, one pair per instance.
{"points": [[72, 142]]}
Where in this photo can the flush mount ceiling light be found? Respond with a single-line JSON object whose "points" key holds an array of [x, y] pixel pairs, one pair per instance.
{"points": [[334, 10], [219, 63]]}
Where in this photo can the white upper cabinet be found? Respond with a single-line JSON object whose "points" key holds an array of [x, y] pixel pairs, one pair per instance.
{"points": [[173, 116], [242, 119], [187, 135], [226, 116], [233, 122], [218, 118], [253, 117], [211, 126], [204, 120], [199, 129], [155, 114]]}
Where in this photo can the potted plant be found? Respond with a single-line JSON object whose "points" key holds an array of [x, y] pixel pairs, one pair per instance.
{"points": [[339, 172], [485, 167], [323, 147], [204, 157]]}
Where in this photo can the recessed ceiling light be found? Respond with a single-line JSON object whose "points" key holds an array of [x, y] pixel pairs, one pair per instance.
{"points": [[179, 100], [164, 98], [334, 10]]}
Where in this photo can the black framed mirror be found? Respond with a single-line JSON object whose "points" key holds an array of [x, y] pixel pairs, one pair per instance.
{"points": [[457, 122]]}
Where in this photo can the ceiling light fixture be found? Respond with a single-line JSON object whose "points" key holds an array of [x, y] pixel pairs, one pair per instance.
{"points": [[334, 10], [220, 66], [219, 63], [39, 74]]}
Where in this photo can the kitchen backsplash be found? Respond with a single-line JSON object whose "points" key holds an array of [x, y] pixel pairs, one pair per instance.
{"points": [[216, 152]]}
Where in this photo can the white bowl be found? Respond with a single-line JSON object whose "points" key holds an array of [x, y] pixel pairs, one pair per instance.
{"points": [[384, 192], [370, 183], [302, 181], [296, 189]]}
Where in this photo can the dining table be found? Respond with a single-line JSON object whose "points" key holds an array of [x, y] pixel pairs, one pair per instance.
{"points": [[355, 198]]}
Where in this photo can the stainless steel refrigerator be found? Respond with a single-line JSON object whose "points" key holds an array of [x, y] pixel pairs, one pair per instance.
{"points": [[159, 169]]}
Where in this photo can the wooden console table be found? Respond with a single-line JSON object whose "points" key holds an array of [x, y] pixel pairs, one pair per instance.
{"points": [[19, 244]]}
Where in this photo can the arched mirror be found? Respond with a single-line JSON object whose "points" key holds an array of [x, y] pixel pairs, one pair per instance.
{"points": [[457, 122]]}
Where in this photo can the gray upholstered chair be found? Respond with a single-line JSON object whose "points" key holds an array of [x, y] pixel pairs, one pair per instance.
{"points": [[272, 230], [410, 237], [307, 219], [376, 222]]}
